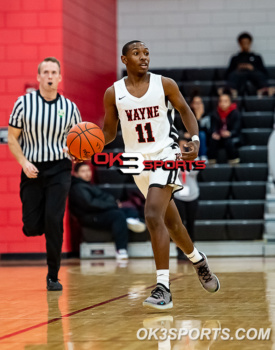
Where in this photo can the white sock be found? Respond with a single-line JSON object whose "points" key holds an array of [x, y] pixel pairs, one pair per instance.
{"points": [[163, 277], [194, 256]]}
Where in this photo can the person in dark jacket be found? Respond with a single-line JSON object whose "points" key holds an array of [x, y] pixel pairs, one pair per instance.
{"points": [[226, 127], [246, 65], [96, 208], [204, 121]]}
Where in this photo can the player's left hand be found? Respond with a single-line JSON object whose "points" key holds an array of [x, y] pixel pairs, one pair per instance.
{"points": [[193, 150]]}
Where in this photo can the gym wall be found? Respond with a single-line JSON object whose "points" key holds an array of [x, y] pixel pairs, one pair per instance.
{"points": [[82, 35], [196, 33]]}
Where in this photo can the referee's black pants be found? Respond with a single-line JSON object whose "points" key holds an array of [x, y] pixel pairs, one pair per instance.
{"points": [[44, 200]]}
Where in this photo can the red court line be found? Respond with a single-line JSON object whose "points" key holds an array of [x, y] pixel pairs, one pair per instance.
{"points": [[24, 330]]}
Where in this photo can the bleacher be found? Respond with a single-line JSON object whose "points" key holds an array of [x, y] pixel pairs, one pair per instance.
{"points": [[232, 198]]}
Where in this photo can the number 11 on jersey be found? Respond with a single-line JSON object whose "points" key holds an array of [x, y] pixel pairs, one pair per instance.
{"points": [[148, 128]]}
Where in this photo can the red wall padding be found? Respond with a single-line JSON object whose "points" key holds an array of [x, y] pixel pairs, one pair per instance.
{"points": [[89, 40], [82, 35]]}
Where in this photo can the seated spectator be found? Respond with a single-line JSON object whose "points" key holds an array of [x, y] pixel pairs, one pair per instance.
{"points": [[270, 152], [204, 122], [133, 209], [226, 127], [98, 209], [246, 66], [187, 202]]}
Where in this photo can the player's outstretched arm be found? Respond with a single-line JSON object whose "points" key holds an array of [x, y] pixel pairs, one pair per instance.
{"points": [[174, 95], [13, 135], [111, 115]]}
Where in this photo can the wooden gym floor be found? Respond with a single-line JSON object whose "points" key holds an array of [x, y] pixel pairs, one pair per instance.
{"points": [[100, 307]]}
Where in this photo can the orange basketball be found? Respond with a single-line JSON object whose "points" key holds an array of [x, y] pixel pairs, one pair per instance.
{"points": [[84, 140]]}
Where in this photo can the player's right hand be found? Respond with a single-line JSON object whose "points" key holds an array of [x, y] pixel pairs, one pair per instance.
{"points": [[30, 170], [72, 158]]}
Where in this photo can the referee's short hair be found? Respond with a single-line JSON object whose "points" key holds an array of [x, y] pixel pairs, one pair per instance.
{"points": [[49, 59]]}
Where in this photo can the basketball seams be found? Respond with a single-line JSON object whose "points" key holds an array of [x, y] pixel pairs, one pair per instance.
{"points": [[79, 134], [73, 140], [82, 131], [92, 128], [95, 135], [82, 142], [87, 137], [89, 144], [80, 147]]}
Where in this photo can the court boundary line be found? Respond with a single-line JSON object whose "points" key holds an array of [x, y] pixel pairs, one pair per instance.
{"points": [[41, 324]]}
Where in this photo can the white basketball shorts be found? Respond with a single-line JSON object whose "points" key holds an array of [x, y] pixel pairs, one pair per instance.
{"points": [[159, 177]]}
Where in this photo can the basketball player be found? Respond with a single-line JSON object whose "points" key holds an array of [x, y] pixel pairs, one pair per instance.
{"points": [[140, 102], [38, 127]]}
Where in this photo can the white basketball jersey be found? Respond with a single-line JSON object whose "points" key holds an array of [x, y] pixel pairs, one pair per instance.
{"points": [[146, 122]]}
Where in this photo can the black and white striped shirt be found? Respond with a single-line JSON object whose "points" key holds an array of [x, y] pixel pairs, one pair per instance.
{"points": [[44, 124]]}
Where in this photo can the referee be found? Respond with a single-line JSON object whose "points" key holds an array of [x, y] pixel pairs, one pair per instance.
{"points": [[38, 128]]}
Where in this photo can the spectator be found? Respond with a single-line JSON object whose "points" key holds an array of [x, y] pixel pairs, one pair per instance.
{"points": [[226, 126], [270, 149], [133, 207], [204, 122], [244, 66], [187, 202], [98, 209]]}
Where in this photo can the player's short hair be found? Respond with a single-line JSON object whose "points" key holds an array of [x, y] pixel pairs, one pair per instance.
{"points": [[126, 47], [245, 35], [78, 166], [49, 59]]}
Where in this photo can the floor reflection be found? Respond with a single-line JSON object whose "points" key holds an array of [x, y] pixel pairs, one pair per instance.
{"points": [[101, 307], [55, 332], [180, 334]]}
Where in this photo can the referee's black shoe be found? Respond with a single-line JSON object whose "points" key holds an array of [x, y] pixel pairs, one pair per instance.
{"points": [[53, 285]]}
